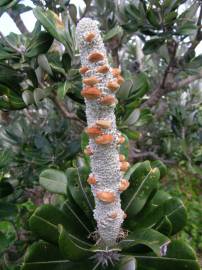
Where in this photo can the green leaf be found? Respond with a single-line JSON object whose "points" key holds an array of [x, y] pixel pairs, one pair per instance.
{"points": [[133, 117], [153, 18], [44, 64], [148, 237], [4, 243], [143, 184], [45, 220], [161, 166], [178, 256], [124, 147], [63, 89], [39, 94], [153, 45], [5, 158], [80, 189], [169, 212], [45, 256], [116, 30], [71, 247], [7, 210], [39, 44], [28, 97], [127, 263], [141, 86], [54, 181], [73, 12], [124, 89], [188, 28]]}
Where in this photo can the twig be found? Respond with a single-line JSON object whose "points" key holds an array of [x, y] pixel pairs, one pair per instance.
{"points": [[197, 38], [18, 21], [65, 113], [153, 156]]}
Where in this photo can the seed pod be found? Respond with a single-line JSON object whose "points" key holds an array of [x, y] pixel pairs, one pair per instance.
{"points": [[122, 157], [125, 215], [104, 123], [121, 140], [113, 85], [123, 185], [124, 166], [120, 80], [93, 131], [108, 100], [91, 80], [91, 180], [95, 57], [116, 72], [106, 196], [104, 139], [88, 151], [83, 70], [91, 93], [89, 37], [112, 215], [102, 69]]}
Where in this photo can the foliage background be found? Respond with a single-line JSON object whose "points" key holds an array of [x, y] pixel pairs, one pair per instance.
{"points": [[42, 112]]}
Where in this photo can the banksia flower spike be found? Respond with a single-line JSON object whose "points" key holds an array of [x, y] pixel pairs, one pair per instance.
{"points": [[100, 100]]}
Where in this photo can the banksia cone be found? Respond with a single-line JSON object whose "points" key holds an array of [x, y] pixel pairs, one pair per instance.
{"points": [[105, 160]]}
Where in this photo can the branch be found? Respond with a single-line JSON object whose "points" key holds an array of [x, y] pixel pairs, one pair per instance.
{"points": [[177, 85], [86, 10], [151, 155], [61, 106], [196, 40], [18, 21]]}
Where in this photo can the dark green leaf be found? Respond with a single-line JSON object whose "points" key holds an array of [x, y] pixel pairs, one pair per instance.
{"points": [[153, 45]]}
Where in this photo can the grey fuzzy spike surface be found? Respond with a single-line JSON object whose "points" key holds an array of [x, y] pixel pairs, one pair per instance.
{"points": [[105, 159]]}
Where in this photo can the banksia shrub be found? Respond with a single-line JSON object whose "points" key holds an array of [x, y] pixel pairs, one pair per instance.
{"points": [[135, 221], [105, 164]]}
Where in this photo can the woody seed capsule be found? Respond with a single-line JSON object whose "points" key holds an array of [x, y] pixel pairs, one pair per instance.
{"points": [[104, 123], [91, 80], [95, 57], [113, 85], [91, 93], [106, 196], [89, 37], [83, 70], [104, 139]]}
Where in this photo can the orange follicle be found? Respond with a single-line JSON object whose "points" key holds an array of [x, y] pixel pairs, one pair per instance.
{"points": [[104, 139], [91, 93], [124, 166], [106, 196], [95, 57], [93, 131], [83, 70], [116, 72], [123, 185], [89, 37], [112, 215], [102, 69], [104, 123], [121, 140], [113, 85], [108, 100], [88, 151], [91, 81], [120, 80], [91, 180], [122, 157]]}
